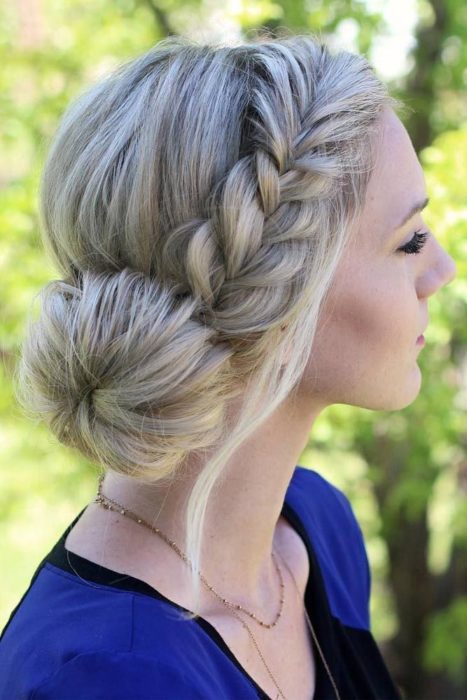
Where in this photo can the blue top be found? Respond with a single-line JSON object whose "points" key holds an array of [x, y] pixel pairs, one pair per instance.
{"points": [[84, 632]]}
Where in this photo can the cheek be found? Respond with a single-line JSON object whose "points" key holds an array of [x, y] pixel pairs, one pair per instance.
{"points": [[361, 332], [365, 315], [364, 310]]}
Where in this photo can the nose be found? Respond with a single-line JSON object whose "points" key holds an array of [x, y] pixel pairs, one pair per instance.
{"points": [[452, 268], [441, 272], [447, 268]]}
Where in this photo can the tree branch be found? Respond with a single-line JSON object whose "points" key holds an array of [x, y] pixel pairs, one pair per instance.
{"points": [[161, 18]]}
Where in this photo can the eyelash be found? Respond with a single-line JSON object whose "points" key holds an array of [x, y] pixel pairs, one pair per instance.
{"points": [[416, 244]]}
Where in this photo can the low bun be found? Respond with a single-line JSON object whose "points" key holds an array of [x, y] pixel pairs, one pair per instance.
{"points": [[120, 369]]}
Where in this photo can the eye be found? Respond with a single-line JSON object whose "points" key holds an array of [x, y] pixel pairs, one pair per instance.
{"points": [[415, 244]]}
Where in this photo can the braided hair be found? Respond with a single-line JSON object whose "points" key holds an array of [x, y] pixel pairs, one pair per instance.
{"points": [[196, 203]]}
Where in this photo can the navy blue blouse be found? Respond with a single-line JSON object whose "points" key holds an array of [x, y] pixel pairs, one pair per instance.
{"points": [[84, 632]]}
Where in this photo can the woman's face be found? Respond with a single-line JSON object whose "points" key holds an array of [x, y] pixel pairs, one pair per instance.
{"points": [[365, 351]]}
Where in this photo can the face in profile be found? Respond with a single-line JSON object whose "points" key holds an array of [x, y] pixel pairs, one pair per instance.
{"points": [[365, 351]]}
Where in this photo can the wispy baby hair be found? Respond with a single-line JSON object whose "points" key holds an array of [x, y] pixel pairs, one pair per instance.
{"points": [[196, 203]]}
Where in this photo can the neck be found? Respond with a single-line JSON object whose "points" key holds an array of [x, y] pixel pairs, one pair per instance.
{"points": [[242, 525]]}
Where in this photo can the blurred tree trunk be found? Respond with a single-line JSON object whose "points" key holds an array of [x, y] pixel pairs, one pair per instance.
{"points": [[418, 593], [420, 90]]}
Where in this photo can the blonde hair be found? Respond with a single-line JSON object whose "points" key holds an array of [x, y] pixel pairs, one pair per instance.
{"points": [[196, 202]]}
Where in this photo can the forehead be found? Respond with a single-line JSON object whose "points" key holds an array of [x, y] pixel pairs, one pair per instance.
{"points": [[397, 180]]}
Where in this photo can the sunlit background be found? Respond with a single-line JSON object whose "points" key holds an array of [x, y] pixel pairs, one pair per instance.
{"points": [[405, 472]]}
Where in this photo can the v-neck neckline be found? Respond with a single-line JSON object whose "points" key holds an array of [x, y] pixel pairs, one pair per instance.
{"points": [[315, 597]]}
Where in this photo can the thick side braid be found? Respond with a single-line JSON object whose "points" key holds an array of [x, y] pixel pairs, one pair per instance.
{"points": [[284, 166]]}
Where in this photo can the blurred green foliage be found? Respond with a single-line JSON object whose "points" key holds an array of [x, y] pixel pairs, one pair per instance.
{"points": [[446, 640], [405, 472]]}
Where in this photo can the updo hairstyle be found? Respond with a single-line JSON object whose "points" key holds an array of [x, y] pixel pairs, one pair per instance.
{"points": [[196, 203]]}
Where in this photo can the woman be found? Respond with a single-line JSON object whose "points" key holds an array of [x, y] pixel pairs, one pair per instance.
{"points": [[240, 238]]}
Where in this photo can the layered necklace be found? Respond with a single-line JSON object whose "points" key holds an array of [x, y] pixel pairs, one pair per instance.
{"points": [[110, 504]]}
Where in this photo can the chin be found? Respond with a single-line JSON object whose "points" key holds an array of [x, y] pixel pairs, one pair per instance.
{"points": [[401, 398]]}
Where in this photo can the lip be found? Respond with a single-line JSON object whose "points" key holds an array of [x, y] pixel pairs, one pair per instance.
{"points": [[421, 340]]}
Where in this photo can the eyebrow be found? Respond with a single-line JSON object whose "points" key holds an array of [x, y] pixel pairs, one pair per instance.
{"points": [[414, 210]]}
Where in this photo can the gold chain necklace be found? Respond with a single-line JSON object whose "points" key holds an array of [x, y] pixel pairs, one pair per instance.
{"points": [[124, 511], [110, 504]]}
